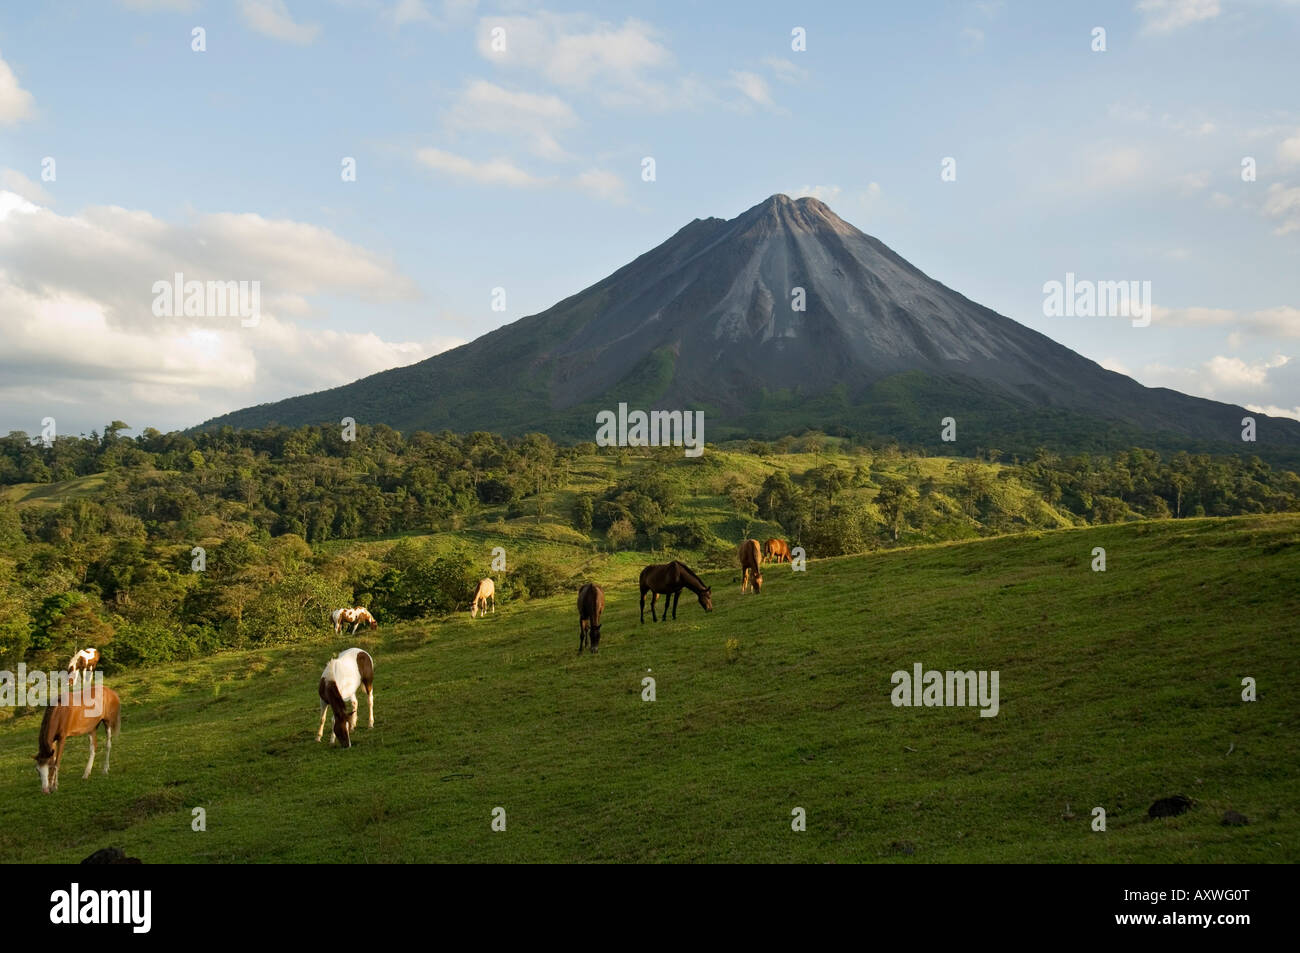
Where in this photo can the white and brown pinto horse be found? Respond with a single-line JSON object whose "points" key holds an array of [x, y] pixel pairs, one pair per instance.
{"points": [[355, 617], [83, 661], [339, 682], [486, 590], [84, 717]]}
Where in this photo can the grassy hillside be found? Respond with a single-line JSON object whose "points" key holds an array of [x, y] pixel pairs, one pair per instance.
{"points": [[1117, 688]]}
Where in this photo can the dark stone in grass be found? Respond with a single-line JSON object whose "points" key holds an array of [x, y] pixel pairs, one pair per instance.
{"points": [[902, 847], [1233, 819], [110, 855], [1169, 806]]}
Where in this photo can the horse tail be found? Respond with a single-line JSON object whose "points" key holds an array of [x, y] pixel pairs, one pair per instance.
{"points": [[366, 668], [116, 715]]}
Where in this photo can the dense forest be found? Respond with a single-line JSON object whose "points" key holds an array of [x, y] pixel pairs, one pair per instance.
{"points": [[161, 546]]}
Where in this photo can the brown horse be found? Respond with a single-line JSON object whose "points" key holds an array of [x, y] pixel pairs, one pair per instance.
{"points": [[777, 549], [591, 604], [83, 717], [668, 580], [751, 566]]}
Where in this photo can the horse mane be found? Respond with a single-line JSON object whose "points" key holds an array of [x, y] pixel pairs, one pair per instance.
{"points": [[690, 575], [45, 743]]}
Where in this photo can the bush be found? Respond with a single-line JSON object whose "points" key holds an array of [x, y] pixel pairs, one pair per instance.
{"points": [[583, 511], [620, 534], [537, 580]]}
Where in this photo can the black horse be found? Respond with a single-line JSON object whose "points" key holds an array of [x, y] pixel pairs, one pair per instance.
{"points": [[668, 580], [591, 605]]}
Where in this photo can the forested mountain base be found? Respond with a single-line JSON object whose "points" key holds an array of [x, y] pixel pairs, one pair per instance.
{"points": [[167, 546]]}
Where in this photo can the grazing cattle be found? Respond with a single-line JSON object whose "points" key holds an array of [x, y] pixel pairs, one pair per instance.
{"points": [[355, 617], [84, 717], [339, 682], [751, 563], [668, 580], [777, 550], [591, 604], [83, 661], [486, 590]]}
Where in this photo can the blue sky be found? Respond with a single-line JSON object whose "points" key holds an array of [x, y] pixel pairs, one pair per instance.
{"points": [[479, 168]]}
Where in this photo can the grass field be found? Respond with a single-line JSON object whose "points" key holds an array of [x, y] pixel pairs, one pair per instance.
{"points": [[1116, 689]]}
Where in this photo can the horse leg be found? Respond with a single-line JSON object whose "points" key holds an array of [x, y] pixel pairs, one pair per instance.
{"points": [[54, 773], [370, 696], [677, 597], [321, 730], [108, 745], [494, 603], [643, 607], [654, 600], [582, 637], [352, 717], [91, 763]]}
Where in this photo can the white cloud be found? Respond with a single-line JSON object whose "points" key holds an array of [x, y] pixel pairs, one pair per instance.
{"points": [[1116, 166], [76, 295], [488, 172], [1283, 203], [623, 65], [1280, 321], [1288, 152], [12, 180], [1272, 410], [1233, 372], [1128, 112], [785, 70], [488, 108], [576, 51], [272, 18], [974, 37], [1165, 16], [15, 102], [823, 193], [175, 6], [1193, 181], [449, 13], [595, 182], [753, 86], [601, 184]]}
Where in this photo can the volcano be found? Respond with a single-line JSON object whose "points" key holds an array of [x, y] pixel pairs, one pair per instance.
{"points": [[782, 319]]}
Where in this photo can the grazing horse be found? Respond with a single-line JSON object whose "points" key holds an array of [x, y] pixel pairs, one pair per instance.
{"points": [[83, 661], [591, 604], [751, 566], [668, 580], [62, 722], [777, 549], [356, 617], [339, 682], [486, 590]]}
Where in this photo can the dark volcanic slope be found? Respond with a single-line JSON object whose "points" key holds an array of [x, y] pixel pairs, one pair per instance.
{"points": [[705, 320]]}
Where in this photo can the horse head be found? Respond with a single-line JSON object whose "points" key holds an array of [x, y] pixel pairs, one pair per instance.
{"points": [[706, 598], [43, 762], [758, 581], [595, 637]]}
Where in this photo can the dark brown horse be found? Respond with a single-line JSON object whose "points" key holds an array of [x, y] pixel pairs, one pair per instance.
{"points": [[668, 580], [83, 716], [591, 604], [751, 566], [777, 549]]}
